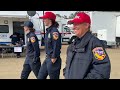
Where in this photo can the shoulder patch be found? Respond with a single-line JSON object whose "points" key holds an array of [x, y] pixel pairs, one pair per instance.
{"points": [[32, 39], [99, 53], [55, 35]]}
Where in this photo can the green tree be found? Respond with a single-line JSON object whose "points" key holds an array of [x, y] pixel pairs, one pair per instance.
{"points": [[65, 17], [58, 15], [72, 15]]}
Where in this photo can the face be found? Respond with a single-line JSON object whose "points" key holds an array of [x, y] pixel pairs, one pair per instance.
{"points": [[26, 29], [47, 22], [80, 29]]}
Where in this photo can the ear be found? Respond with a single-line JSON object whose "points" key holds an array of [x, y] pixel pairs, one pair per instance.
{"points": [[87, 25]]}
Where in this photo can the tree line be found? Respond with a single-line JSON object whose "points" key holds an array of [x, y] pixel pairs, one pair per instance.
{"points": [[71, 16]]}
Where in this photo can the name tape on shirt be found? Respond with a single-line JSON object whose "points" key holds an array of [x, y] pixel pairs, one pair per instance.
{"points": [[55, 35], [49, 35], [32, 39], [99, 53], [28, 40]]}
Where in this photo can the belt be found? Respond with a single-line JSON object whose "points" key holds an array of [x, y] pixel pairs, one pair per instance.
{"points": [[49, 56]]}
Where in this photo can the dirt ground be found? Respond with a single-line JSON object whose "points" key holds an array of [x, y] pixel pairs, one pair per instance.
{"points": [[10, 68]]}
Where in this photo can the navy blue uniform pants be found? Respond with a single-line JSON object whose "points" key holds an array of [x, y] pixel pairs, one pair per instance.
{"points": [[49, 68], [29, 66]]}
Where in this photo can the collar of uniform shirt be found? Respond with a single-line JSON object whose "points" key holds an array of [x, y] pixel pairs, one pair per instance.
{"points": [[27, 34], [49, 28], [78, 40]]}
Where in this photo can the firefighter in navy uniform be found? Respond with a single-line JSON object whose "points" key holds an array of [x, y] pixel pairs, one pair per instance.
{"points": [[32, 62], [52, 64], [86, 56]]}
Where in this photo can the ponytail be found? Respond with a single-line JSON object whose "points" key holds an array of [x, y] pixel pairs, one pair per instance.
{"points": [[32, 29], [55, 24]]}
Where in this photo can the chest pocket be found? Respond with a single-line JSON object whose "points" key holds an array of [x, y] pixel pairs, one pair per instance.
{"points": [[49, 40], [70, 55], [80, 54], [28, 41]]}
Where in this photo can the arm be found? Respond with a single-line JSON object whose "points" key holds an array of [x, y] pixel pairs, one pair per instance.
{"points": [[64, 70], [56, 43], [100, 66], [35, 45]]}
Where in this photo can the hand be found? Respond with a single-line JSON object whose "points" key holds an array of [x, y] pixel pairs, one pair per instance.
{"points": [[36, 60], [53, 60]]}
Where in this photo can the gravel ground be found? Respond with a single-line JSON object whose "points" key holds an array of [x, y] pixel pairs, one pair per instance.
{"points": [[10, 68]]}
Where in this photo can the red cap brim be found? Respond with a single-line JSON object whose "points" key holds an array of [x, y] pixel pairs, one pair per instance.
{"points": [[43, 17], [74, 21], [70, 22]]}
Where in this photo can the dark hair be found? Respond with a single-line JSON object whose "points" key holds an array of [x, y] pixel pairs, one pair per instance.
{"points": [[55, 24], [89, 29], [14, 33], [32, 29]]}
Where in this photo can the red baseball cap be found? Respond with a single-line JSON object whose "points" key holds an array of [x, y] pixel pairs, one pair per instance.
{"points": [[49, 15], [80, 18]]}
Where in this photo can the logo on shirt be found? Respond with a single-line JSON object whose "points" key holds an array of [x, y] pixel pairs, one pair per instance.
{"points": [[55, 35], [99, 53], [32, 39]]}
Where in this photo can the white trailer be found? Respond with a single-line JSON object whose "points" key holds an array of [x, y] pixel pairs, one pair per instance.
{"points": [[118, 31], [10, 24], [12, 21], [107, 23], [118, 27], [102, 34]]}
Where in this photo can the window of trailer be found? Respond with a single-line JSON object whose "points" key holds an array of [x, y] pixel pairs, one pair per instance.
{"points": [[4, 29]]}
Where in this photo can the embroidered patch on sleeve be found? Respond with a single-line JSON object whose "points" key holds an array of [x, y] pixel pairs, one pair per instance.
{"points": [[55, 35], [32, 39], [99, 53]]}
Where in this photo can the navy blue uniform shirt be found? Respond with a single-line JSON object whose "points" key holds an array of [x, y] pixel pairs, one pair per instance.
{"points": [[87, 59], [33, 49], [52, 42]]}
